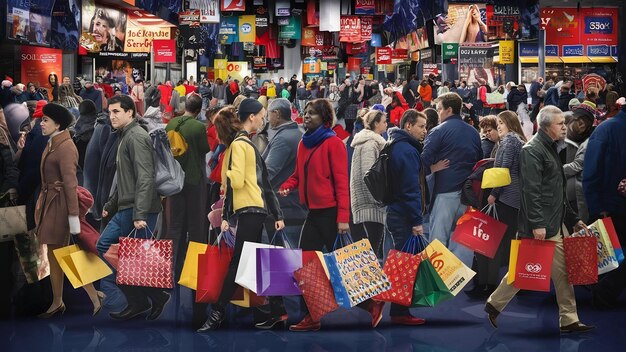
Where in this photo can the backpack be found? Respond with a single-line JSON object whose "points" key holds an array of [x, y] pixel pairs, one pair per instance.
{"points": [[378, 177], [472, 193], [169, 175], [177, 141]]}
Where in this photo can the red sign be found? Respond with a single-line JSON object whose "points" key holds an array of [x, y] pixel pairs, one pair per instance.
{"points": [[38, 63], [233, 5], [308, 36], [562, 25], [598, 26], [312, 15], [354, 64], [400, 54], [164, 50], [350, 29], [383, 56], [366, 27]]}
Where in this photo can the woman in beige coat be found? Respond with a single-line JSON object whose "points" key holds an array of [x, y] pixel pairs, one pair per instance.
{"points": [[56, 213]]}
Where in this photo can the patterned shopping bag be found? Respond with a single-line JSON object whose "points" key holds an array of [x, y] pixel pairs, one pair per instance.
{"points": [[145, 262], [581, 259], [316, 289], [607, 261], [401, 269], [454, 273]]}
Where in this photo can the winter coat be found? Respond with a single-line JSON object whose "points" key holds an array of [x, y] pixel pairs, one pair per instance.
{"points": [[30, 171], [94, 95], [574, 174], [515, 98], [367, 145], [57, 200], [507, 157]]}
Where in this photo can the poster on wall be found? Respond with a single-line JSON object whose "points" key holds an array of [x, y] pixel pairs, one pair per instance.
{"points": [[164, 50], [228, 30], [562, 25], [247, 29], [209, 10], [462, 24], [103, 28], [350, 29], [292, 30], [504, 21], [476, 64], [30, 21], [38, 63], [238, 69], [365, 7], [599, 26], [366, 27], [65, 29], [233, 5], [141, 29]]}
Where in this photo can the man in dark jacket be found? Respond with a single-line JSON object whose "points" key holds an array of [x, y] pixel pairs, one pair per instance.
{"points": [[604, 168], [459, 143], [535, 87], [544, 215], [135, 205], [517, 96], [404, 213], [280, 159], [91, 93], [565, 97]]}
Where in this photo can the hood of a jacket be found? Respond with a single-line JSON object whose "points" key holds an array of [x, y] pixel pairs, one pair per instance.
{"points": [[365, 136], [397, 134]]}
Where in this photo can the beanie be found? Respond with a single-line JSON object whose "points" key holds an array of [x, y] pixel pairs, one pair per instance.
{"points": [[87, 107], [39, 109], [249, 106]]}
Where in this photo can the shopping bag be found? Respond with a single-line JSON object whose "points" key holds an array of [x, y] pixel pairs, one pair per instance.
{"points": [[81, 267], [581, 259], [112, 255], [246, 270], [355, 273], [275, 267], [429, 290], [145, 262], [451, 269], [534, 265], [213, 267], [606, 254], [480, 232], [33, 256], [316, 289], [243, 297], [496, 177], [13, 220], [513, 261], [609, 227], [401, 270], [189, 274]]}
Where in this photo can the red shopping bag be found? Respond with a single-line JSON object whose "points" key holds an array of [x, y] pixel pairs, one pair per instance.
{"points": [[112, 255], [212, 270], [145, 262], [534, 265], [401, 269], [479, 232], [247, 299], [610, 229], [581, 259], [316, 288]]}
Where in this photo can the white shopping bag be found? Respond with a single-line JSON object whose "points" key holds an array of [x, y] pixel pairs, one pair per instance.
{"points": [[246, 270]]}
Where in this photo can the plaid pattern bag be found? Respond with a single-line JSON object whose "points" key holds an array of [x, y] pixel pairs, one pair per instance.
{"points": [[316, 289]]}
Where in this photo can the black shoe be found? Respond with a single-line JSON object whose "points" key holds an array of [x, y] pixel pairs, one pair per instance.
{"points": [[576, 327], [271, 322], [129, 313], [213, 322], [478, 292], [492, 314], [158, 305]]}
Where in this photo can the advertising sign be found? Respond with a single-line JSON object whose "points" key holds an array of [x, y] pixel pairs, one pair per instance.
{"points": [[103, 28], [283, 8], [476, 64], [383, 56], [66, 28], [247, 29], [507, 52], [450, 51], [562, 25], [37, 63], [30, 21], [365, 7], [228, 30], [350, 29], [462, 24], [292, 30], [366, 27], [238, 69], [599, 26], [164, 50], [233, 5]]}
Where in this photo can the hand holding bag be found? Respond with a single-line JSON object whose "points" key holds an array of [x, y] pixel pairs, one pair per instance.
{"points": [[213, 267]]}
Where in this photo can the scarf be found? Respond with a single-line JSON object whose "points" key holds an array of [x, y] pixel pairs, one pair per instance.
{"points": [[312, 139]]}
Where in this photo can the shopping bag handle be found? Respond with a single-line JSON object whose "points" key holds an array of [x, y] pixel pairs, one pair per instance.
{"points": [[343, 239], [227, 237], [410, 246], [490, 209], [421, 243], [133, 232], [283, 236]]}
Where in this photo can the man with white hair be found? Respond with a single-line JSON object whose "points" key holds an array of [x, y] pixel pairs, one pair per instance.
{"points": [[544, 215]]}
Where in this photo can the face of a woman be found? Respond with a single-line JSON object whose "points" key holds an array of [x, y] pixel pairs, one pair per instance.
{"points": [[48, 126], [259, 119], [52, 79], [381, 126], [100, 31], [502, 128], [474, 11], [312, 119]]}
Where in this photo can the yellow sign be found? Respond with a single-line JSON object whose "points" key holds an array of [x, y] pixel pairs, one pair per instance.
{"points": [[139, 40], [247, 29], [507, 52], [220, 69], [237, 69]]}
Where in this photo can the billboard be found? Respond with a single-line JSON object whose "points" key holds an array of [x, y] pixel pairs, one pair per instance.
{"points": [[38, 63], [103, 28], [462, 24]]}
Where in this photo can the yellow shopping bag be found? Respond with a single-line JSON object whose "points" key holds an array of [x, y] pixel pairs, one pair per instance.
{"points": [[496, 177], [189, 275], [454, 273], [513, 261], [81, 267]]}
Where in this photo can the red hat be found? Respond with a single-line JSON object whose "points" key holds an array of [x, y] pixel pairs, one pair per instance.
{"points": [[39, 109]]}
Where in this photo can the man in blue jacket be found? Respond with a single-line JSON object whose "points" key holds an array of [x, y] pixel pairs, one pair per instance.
{"points": [[459, 143], [604, 168], [404, 213]]}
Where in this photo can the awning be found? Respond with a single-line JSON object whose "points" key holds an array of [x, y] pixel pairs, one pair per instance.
{"points": [[575, 59], [603, 59], [535, 60]]}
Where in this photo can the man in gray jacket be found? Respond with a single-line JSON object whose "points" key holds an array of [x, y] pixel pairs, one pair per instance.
{"points": [[135, 205], [280, 159]]}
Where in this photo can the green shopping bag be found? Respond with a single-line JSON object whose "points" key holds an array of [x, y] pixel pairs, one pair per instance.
{"points": [[429, 289]]}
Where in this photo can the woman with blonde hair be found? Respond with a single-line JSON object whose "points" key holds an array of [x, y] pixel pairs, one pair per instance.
{"points": [[474, 29]]}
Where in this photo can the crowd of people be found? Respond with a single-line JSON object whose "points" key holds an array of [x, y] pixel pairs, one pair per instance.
{"points": [[292, 156]]}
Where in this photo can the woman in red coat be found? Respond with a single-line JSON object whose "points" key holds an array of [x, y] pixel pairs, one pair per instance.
{"points": [[397, 108], [321, 177]]}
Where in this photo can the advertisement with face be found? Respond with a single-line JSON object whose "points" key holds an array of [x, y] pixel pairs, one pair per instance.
{"points": [[103, 29], [29, 21], [462, 24]]}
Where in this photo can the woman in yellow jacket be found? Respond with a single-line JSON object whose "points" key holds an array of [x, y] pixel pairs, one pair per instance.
{"points": [[248, 196]]}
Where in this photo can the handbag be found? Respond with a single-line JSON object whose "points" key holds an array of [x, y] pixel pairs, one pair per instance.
{"points": [[401, 269], [496, 177], [534, 265], [480, 232], [33, 256], [275, 267], [145, 262], [581, 258], [81, 267], [13, 220], [212, 267], [316, 289]]}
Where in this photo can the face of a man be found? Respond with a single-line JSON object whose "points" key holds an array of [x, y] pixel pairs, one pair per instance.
{"points": [[443, 113], [418, 130], [101, 31], [557, 130], [119, 117]]}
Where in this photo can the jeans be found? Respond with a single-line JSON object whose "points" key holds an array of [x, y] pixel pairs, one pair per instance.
{"points": [[400, 229], [121, 225], [446, 210]]}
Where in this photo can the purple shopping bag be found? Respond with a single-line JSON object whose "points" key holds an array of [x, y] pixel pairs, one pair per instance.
{"points": [[275, 267]]}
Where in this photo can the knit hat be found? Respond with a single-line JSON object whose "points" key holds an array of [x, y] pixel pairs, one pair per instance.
{"points": [[59, 114], [582, 112], [249, 106], [379, 107], [39, 109], [87, 107], [573, 102]]}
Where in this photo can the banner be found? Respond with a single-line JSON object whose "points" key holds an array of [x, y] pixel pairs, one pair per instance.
{"points": [[366, 28], [103, 29], [164, 50], [228, 30], [220, 69], [309, 36], [451, 27], [238, 70], [233, 5], [350, 29], [507, 52], [383, 56], [504, 21], [141, 29], [292, 30], [599, 26], [247, 31], [262, 29], [311, 65], [450, 52], [209, 10], [283, 8], [38, 63], [476, 64], [65, 28], [312, 15], [364, 7], [29, 21], [562, 25]]}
